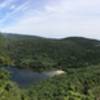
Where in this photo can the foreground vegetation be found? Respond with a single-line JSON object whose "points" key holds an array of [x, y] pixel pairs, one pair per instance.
{"points": [[80, 84]]}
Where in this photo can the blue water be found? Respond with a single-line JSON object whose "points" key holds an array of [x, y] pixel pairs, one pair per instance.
{"points": [[25, 77]]}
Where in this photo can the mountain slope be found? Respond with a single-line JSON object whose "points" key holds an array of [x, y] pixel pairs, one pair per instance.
{"points": [[41, 53]]}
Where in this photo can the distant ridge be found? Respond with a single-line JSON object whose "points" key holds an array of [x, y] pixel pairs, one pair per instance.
{"points": [[30, 35]]}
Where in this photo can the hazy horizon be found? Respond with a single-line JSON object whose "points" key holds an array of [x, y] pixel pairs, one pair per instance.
{"points": [[51, 18], [63, 37]]}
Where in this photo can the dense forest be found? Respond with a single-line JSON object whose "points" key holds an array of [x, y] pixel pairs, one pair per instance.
{"points": [[78, 57], [41, 54], [76, 84]]}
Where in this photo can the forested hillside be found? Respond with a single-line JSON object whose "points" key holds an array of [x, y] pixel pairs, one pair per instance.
{"points": [[78, 57], [42, 54]]}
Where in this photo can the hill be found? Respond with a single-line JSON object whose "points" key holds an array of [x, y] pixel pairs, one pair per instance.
{"points": [[41, 53], [78, 56]]}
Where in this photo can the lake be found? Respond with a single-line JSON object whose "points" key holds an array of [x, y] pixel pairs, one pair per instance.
{"points": [[26, 77]]}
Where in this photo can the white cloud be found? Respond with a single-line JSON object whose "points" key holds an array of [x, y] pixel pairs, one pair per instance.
{"points": [[13, 14], [63, 18], [5, 3], [12, 7]]}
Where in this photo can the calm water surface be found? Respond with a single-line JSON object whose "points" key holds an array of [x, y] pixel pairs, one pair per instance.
{"points": [[25, 77]]}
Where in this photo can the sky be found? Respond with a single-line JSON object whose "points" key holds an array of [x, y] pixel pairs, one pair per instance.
{"points": [[51, 18]]}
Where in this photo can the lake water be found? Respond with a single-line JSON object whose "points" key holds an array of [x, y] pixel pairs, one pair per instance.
{"points": [[26, 77]]}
